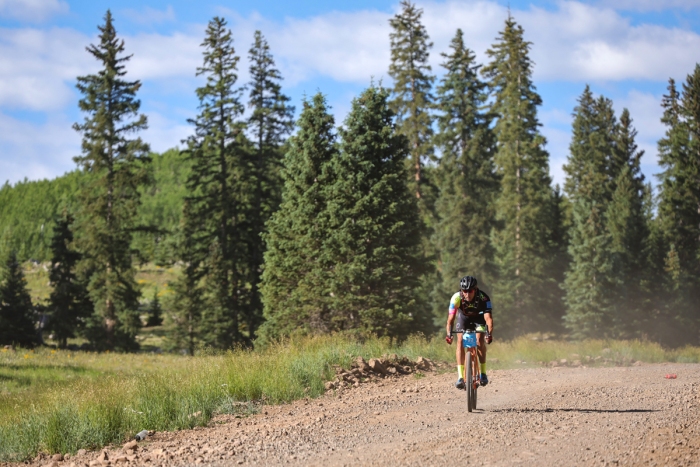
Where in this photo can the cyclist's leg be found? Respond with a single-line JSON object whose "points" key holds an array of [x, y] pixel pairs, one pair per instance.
{"points": [[460, 350], [482, 356], [481, 345]]}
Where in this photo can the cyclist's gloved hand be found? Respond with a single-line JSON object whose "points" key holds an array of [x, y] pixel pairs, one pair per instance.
{"points": [[489, 338], [448, 339]]}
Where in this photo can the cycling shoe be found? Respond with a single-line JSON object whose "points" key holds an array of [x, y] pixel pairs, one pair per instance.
{"points": [[484, 379], [460, 384]]}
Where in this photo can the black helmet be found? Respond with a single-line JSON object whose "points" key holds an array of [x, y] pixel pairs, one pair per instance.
{"points": [[467, 283]]}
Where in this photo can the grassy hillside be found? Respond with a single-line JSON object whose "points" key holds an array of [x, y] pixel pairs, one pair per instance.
{"points": [[28, 209]]}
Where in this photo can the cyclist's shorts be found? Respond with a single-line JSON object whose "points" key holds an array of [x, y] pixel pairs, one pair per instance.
{"points": [[468, 322]]}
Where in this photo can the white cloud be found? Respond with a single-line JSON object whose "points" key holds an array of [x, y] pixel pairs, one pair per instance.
{"points": [[31, 10], [38, 67], [343, 46], [148, 15], [575, 41], [156, 56], [650, 5], [580, 42], [36, 151], [165, 133]]}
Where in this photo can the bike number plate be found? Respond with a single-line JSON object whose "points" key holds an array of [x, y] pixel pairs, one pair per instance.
{"points": [[469, 339]]}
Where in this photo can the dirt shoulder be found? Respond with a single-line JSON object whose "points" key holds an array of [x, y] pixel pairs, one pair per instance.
{"points": [[545, 416]]}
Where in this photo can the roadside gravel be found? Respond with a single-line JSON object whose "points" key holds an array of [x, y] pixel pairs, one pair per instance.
{"points": [[543, 416]]}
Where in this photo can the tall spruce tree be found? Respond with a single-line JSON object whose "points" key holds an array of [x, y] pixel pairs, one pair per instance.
{"points": [[628, 220], [220, 188], [69, 302], [373, 242], [591, 174], [411, 94], [155, 311], [525, 204], [588, 280], [294, 290], [271, 120], [116, 164], [184, 320], [16, 310], [679, 207], [466, 176], [610, 235]]}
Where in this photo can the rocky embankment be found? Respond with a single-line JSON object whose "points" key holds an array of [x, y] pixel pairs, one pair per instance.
{"points": [[362, 371]]}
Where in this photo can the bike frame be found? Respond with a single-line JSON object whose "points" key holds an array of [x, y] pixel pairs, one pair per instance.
{"points": [[473, 355], [472, 379]]}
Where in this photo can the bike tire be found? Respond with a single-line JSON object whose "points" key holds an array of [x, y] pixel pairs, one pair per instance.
{"points": [[474, 388], [469, 381]]}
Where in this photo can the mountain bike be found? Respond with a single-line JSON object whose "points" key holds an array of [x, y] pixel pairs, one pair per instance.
{"points": [[472, 379]]}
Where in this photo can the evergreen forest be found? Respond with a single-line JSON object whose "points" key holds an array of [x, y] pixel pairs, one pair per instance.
{"points": [[282, 222]]}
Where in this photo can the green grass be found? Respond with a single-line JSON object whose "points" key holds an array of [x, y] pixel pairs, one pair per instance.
{"points": [[150, 278], [37, 277], [60, 401]]}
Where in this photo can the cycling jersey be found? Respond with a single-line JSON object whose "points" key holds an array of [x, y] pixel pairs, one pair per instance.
{"points": [[470, 312]]}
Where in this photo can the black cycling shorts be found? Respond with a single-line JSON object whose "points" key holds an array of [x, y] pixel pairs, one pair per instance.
{"points": [[468, 322]]}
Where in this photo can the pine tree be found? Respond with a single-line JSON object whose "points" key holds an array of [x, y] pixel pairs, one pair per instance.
{"points": [[679, 204], [220, 187], [588, 282], [155, 311], [271, 120], [525, 204], [411, 95], [466, 177], [628, 226], [184, 321], [16, 310], [294, 294], [116, 167], [373, 243], [592, 170], [69, 303]]}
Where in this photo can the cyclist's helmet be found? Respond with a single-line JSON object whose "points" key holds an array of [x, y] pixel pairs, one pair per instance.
{"points": [[467, 283]]}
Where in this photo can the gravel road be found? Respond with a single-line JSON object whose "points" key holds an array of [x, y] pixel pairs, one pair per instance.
{"points": [[545, 416]]}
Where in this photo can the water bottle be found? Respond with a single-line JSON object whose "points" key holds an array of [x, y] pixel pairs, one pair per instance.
{"points": [[141, 435]]}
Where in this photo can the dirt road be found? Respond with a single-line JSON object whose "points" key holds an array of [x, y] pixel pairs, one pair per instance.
{"points": [[547, 416]]}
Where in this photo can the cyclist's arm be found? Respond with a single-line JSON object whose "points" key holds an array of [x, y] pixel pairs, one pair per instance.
{"points": [[450, 322], [488, 316], [452, 312]]}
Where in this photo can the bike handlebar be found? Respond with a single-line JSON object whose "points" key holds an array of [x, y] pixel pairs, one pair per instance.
{"points": [[452, 333]]}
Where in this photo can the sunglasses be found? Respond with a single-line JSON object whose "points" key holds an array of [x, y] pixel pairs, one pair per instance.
{"points": [[468, 291]]}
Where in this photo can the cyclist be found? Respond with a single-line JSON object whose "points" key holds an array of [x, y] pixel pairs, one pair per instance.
{"points": [[472, 307]]}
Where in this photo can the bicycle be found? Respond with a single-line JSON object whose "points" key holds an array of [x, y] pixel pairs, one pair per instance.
{"points": [[472, 381]]}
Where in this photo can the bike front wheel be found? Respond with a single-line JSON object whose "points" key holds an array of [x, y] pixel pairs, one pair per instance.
{"points": [[469, 381], [475, 366]]}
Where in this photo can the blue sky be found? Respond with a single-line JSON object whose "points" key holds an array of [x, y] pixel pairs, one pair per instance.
{"points": [[625, 49]]}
